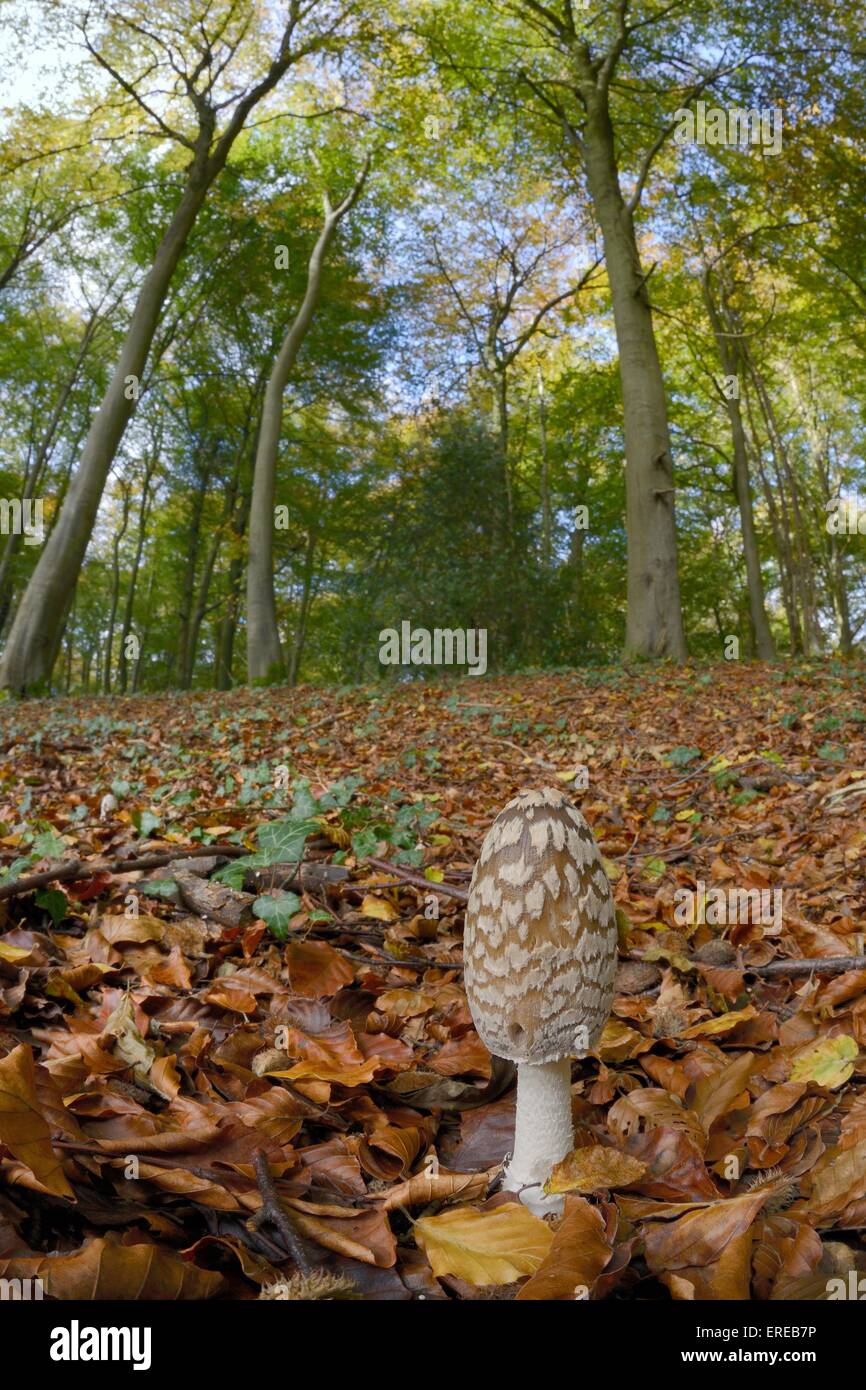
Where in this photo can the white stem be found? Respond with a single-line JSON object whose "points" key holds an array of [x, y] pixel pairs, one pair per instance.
{"points": [[544, 1131]]}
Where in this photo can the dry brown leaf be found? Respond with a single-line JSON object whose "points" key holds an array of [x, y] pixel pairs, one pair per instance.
{"points": [[577, 1256], [594, 1167], [24, 1129]]}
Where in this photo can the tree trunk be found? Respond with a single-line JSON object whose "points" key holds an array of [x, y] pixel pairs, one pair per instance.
{"points": [[129, 604], [265, 660], [546, 527], [801, 557], [781, 536], [729, 359], [654, 625], [185, 659], [115, 591], [305, 606]]}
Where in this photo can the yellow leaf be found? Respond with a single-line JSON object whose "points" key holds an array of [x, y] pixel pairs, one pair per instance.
{"points": [[379, 908], [829, 1062], [484, 1247], [619, 1043], [12, 953], [723, 1024], [435, 875], [586, 1170]]}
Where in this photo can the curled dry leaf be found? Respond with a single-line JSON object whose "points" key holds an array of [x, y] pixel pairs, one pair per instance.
{"points": [[436, 1187]]}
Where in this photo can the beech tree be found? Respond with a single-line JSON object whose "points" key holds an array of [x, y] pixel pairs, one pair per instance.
{"points": [[207, 56], [265, 659]]}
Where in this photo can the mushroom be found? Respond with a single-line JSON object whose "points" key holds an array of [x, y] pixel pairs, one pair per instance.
{"points": [[540, 955]]}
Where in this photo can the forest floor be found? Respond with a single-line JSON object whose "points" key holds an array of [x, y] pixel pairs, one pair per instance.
{"points": [[177, 1053]]}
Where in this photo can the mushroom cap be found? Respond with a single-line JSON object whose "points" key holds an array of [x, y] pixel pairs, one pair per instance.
{"points": [[540, 939]]}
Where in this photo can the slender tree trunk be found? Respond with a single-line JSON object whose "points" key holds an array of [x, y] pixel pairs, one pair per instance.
{"points": [[305, 605], [654, 625], [115, 590], [546, 525], [777, 513], [729, 359], [498, 376], [225, 640], [801, 557], [265, 660], [185, 655], [145, 627], [129, 603]]}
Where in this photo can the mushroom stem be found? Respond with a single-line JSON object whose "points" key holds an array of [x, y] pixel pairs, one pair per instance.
{"points": [[544, 1131]]}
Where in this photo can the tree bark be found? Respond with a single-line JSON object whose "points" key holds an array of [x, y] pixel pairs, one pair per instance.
{"points": [[729, 358], [115, 591], [129, 604], [265, 660], [305, 605], [654, 625]]}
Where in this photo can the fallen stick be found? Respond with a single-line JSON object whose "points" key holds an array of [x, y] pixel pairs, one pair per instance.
{"points": [[272, 1211], [417, 880], [71, 869], [320, 723], [820, 965]]}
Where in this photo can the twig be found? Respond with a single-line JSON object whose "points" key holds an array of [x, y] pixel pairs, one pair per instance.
{"points": [[72, 869], [413, 962], [272, 1210], [418, 881], [321, 723], [819, 965]]}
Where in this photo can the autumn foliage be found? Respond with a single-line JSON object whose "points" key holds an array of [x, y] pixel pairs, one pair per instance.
{"points": [[150, 1050]]}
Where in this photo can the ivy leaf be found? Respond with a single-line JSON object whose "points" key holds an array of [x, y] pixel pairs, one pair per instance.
{"points": [[145, 822], [158, 888], [282, 841], [681, 756], [48, 845], [277, 912], [55, 903]]}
